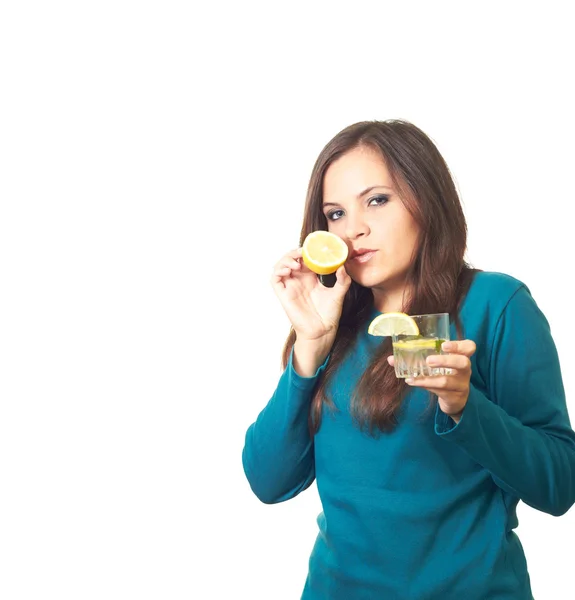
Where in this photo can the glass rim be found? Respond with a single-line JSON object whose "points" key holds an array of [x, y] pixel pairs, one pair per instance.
{"points": [[443, 314]]}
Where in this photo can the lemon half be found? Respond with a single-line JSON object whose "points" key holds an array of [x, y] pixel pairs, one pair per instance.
{"points": [[324, 252]]}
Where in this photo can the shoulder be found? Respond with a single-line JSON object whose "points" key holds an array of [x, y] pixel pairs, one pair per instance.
{"points": [[491, 282], [494, 290], [489, 297], [497, 309], [496, 298]]}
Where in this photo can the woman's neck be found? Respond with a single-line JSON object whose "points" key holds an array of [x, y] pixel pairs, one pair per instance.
{"points": [[386, 300]]}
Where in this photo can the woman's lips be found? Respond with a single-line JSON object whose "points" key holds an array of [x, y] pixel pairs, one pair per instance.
{"points": [[363, 257]]}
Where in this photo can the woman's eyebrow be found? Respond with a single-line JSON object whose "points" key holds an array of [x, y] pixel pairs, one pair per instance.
{"points": [[373, 187], [361, 194]]}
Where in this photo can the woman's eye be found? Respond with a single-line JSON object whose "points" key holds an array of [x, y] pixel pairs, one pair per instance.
{"points": [[378, 200], [334, 215]]}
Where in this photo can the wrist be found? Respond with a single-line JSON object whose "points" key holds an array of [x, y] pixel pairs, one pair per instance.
{"points": [[451, 412], [457, 416], [309, 355]]}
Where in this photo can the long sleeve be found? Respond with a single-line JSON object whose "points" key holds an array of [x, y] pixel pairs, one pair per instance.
{"points": [[278, 455], [521, 434]]}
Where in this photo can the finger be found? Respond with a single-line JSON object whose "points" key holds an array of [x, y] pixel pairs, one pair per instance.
{"points": [[292, 263], [438, 384], [304, 268], [465, 347], [288, 261], [343, 280], [278, 284], [278, 276], [391, 360], [457, 362], [295, 253], [292, 255], [282, 271]]}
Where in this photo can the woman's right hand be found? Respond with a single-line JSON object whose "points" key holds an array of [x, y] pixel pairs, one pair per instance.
{"points": [[313, 309]]}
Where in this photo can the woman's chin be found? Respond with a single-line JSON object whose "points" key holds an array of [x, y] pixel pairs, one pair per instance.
{"points": [[367, 280]]}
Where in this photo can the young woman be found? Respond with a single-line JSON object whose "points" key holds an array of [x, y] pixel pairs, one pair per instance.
{"points": [[419, 480]]}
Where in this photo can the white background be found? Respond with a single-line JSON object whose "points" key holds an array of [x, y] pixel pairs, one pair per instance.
{"points": [[154, 161]]}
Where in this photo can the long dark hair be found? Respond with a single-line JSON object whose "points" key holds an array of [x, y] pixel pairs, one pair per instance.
{"points": [[439, 276]]}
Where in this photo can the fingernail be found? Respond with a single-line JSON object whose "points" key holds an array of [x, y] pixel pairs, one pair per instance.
{"points": [[432, 361], [409, 381], [447, 346]]}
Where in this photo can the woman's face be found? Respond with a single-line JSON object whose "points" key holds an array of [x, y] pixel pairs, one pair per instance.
{"points": [[362, 206]]}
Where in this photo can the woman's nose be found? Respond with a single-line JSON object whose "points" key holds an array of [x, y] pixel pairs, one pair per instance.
{"points": [[356, 228]]}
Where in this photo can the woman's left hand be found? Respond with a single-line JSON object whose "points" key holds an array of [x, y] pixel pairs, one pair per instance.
{"points": [[452, 390]]}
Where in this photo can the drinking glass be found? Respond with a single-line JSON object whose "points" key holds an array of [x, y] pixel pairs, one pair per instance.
{"points": [[410, 351]]}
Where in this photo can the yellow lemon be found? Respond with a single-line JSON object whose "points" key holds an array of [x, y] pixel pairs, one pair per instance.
{"points": [[324, 252]]}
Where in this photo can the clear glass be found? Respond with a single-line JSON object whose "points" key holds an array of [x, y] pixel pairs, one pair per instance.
{"points": [[410, 351]]}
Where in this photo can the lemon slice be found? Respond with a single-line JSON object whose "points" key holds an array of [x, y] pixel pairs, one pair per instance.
{"points": [[419, 344], [393, 323], [324, 252]]}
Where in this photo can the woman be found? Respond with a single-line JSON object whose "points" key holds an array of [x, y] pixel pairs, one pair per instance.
{"points": [[419, 480]]}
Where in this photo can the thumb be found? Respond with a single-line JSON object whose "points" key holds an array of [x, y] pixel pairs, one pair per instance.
{"points": [[343, 280]]}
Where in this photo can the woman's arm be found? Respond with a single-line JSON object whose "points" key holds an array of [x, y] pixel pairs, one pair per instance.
{"points": [[278, 456], [522, 434]]}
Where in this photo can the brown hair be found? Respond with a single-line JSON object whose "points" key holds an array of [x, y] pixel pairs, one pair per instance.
{"points": [[439, 276]]}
